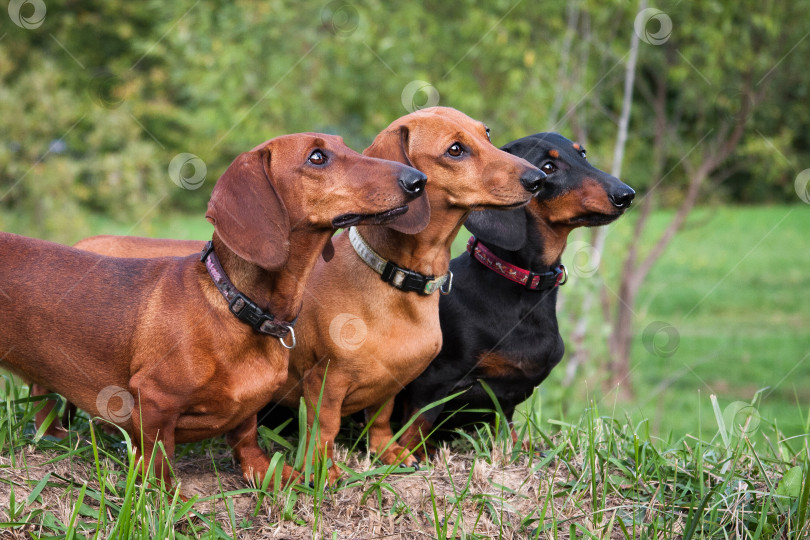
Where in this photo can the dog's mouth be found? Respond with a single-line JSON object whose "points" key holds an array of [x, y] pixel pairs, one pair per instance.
{"points": [[512, 206], [348, 220], [594, 219]]}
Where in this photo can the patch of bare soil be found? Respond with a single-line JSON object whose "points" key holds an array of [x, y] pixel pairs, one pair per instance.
{"points": [[489, 500]]}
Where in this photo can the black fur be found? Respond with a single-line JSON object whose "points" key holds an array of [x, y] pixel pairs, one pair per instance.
{"points": [[486, 314]]}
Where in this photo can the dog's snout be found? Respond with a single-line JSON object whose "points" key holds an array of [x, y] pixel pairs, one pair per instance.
{"points": [[532, 180], [412, 181], [622, 198]]}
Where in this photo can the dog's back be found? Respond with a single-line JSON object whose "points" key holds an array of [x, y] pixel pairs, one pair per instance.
{"points": [[62, 319]]}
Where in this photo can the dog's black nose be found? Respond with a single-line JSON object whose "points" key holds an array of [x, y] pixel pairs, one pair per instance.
{"points": [[412, 181], [622, 198], [533, 180]]}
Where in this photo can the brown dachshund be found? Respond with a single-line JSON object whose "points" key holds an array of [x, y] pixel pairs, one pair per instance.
{"points": [[156, 335], [375, 338], [369, 337]]}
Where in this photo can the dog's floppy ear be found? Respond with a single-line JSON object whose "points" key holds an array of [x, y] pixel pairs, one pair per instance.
{"points": [[248, 214], [392, 144], [502, 228]]}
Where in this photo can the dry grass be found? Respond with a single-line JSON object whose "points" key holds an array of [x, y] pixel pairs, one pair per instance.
{"points": [[598, 478], [511, 488]]}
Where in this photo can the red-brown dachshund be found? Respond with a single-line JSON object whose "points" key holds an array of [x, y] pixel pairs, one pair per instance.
{"points": [[193, 349]]}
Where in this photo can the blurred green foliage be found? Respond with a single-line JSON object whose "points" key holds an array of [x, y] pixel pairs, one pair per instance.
{"points": [[96, 101]]}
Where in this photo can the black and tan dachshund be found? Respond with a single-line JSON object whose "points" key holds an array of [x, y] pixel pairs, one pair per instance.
{"points": [[499, 324]]}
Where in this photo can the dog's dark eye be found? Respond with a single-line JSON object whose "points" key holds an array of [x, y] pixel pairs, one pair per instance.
{"points": [[317, 158], [488, 137], [455, 150], [582, 153], [548, 167]]}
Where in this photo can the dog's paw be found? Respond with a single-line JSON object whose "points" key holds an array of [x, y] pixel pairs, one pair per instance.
{"points": [[399, 455]]}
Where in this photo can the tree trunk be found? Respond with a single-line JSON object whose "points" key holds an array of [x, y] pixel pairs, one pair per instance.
{"points": [[598, 235], [634, 272]]}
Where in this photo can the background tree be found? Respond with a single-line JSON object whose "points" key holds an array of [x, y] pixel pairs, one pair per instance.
{"points": [[97, 101]]}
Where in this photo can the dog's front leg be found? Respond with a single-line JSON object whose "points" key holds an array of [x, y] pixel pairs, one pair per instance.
{"points": [[244, 441], [154, 420], [415, 436], [380, 436], [56, 429], [327, 417]]}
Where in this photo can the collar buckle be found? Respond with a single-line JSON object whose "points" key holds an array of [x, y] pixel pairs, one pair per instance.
{"points": [[397, 276], [241, 306], [404, 279], [248, 312]]}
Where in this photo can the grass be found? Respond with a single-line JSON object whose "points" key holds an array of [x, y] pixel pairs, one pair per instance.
{"points": [[732, 286], [598, 477], [714, 446]]}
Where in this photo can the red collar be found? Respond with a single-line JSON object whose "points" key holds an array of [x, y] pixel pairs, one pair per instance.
{"points": [[534, 282]]}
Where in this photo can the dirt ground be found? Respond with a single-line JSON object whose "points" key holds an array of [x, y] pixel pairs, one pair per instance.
{"points": [[505, 492]]}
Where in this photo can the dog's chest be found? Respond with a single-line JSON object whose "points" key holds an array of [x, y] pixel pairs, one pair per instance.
{"points": [[394, 351], [404, 345], [256, 379], [533, 347], [241, 389]]}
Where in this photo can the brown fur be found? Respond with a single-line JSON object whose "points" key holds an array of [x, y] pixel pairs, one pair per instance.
{"points": [[557, 218], [498, 365], [77, 322], [402, 333]]}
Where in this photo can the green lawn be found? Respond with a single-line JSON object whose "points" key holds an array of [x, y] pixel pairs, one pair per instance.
{"points": [[734, 284]]}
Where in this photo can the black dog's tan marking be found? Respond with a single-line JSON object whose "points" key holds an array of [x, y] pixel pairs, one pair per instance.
{"points": [[494, 365], [495, 329]]}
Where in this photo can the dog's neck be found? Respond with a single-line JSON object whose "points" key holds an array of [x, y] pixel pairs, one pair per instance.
{"points": [[279, 292], [426, 252], [544, 246]]}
